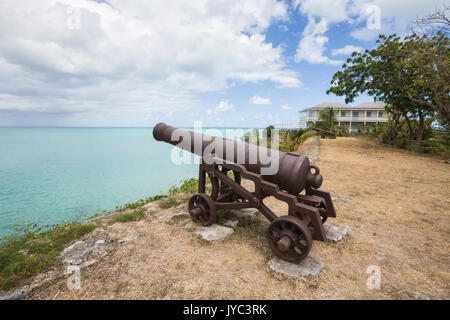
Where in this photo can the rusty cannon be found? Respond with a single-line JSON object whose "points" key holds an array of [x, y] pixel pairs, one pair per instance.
{"points": [[295, 181]]}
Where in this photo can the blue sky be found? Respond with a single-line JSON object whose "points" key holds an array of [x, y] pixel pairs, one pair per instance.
{"points": [[135, 63]]}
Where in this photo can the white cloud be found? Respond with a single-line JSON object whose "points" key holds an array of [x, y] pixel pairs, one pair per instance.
{"points": [[133, 57], [331, 10], [368, 18], [221, 107], [311, 49], [285, 107], [259, 100], [347, 50]]}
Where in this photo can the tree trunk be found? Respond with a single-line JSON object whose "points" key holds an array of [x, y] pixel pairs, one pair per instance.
{"points": [[392, 132], [421, 127], [410, 130]]}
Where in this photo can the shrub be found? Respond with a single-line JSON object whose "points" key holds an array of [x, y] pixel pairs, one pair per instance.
{"points": [[168, 204], [401, 143], [291, 142], [435, 147], [186, 186], [127, 217], [363, 129], [341, 131]]}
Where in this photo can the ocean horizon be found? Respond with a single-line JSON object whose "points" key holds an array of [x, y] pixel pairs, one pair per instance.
{"points": [[49, 175]]}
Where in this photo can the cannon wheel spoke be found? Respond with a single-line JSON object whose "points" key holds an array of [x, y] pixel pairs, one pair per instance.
{"points": [[297, 232]]}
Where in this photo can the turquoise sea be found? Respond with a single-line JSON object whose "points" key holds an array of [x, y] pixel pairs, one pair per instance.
{"points": [[48, 175]]}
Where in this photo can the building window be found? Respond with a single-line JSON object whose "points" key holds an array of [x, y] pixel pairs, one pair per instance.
{"points": [[311, 113], [369, 114], [342, 113], [355, 114], [380, 114]]}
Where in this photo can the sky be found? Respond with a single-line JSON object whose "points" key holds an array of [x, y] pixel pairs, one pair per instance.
{"points": [[228, 63]]}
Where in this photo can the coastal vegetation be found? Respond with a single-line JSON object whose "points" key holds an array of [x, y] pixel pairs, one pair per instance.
{"points": [[32, 249], [135, 215], [290, 139]]}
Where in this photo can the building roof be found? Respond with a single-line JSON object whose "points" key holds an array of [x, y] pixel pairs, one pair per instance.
{"points": [[340, 106]]}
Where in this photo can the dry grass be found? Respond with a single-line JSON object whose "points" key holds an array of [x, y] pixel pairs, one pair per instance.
{"points": [[398, 219]]}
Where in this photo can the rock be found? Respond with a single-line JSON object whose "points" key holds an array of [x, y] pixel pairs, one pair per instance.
{"points": [[130, 237], [17, 294], [245, 214], [334, 234], [167, 216], [420, 295], [306, 267], [214, 232], [343, 200], [77, 253], [231, 223], [179, 218], [44, 279], [99, 233], [190, 225]]}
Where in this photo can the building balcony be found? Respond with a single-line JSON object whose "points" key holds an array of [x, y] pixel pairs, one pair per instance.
{"points": [[361, 119], [346, 119]]}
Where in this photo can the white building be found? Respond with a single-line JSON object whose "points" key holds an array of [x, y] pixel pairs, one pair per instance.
{"points": [[348, 116]]}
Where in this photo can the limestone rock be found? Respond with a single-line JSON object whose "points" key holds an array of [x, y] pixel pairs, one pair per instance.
{"points": [[130, 237], [16, 294], [231, 223], [44, 278], [245, 214], [167, 216], [78, 253], [343, 200], [334, 234], [420, 296], [214, 232], [190, 225], [306, 267], [179, 218]]}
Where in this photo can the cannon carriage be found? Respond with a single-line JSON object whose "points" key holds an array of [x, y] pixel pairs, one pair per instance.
{"points": [[296, 182]]}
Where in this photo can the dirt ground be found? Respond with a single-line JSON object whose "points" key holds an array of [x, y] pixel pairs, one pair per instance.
{"points": [[395, 206]]}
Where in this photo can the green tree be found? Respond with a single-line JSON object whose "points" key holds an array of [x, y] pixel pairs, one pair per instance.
{"points": [[410, 75], [328, 117]]}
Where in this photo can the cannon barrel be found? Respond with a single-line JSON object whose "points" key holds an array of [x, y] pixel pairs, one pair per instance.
{"points": [[294, 171]]}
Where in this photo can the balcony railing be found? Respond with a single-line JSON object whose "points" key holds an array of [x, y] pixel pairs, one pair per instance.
{"points": [[345, 119]]}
